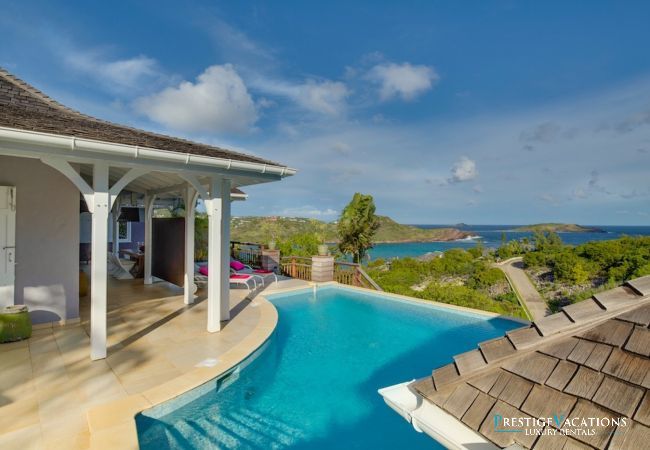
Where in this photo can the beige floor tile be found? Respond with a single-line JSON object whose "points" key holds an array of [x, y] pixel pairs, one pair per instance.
{"points": [[9, 346], [28, 438], [19, 414], [55, 395], [80, 441]]}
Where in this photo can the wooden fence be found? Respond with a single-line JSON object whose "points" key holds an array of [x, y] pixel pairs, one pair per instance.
{"points": [[296, 267]]}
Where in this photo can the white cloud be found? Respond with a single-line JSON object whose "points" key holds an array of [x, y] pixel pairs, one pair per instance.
{"points": [[404, 80], [325, 97], [217, 102], [119, 75], [341, 148], [463, 170]]}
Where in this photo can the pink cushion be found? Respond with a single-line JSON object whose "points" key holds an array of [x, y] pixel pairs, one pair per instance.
{"points": [[203, 270], [262, 271], [239, 276], [237, 265]]}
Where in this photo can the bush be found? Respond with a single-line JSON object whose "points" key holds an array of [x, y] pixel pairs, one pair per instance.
{"points": [[305, 244]]}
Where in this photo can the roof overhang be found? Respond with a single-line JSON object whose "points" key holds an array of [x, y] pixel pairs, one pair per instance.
{"points": [[25, 143], [432, 420]]}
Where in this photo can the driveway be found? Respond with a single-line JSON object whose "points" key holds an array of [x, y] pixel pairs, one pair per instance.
{"points": [[514, 270]]}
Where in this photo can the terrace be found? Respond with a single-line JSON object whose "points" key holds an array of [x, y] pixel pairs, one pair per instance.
{"points": [[54, 396]]}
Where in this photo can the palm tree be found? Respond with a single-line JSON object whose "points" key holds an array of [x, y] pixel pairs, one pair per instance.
{"points": [[357, 226]]}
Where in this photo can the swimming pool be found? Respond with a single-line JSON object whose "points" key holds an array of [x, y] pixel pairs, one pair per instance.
{"points": [[314, 383]]}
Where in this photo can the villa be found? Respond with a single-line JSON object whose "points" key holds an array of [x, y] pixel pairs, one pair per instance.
{"points": [[158, 362], [51, 156], [56, 162]]}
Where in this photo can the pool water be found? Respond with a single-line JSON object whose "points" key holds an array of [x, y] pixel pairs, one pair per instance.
{"points": [[314, 384]]}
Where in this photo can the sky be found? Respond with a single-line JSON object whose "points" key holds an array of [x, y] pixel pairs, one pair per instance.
{"points": [[482, 112]]}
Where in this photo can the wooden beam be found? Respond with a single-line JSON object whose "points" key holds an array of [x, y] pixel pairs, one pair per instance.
{"points": [[66, 169], [191, 196], [127, 178], [148, 217]]}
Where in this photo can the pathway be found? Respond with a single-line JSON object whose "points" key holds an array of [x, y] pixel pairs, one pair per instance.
{"points": [[514, 270]]}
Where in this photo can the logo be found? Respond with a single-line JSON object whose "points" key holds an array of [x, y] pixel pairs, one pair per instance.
{"points": [[559, 424]]}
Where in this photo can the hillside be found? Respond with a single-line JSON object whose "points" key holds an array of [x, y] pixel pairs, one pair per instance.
{"points": [[559, 228], [264, 229]]}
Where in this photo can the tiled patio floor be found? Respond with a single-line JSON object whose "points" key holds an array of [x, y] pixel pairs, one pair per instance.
{"points": [[48, 383]]}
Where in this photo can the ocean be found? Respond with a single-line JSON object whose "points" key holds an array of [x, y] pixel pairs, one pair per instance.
{"points": [[490, 235]]}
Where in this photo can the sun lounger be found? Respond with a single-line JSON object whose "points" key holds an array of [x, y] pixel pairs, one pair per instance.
{"points": [[201, 278], [241, 268]]}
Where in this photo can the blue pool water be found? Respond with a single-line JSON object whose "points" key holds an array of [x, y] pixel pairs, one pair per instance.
{"points": [[314, 385]]}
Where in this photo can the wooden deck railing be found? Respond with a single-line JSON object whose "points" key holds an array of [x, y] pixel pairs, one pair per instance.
{"points": [[353, 275], [296, 267], [344, 272], [248, 253]]}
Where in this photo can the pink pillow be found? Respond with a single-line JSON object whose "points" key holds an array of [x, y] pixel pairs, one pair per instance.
{"points": [[237, 265], [203, 270], [239, 276]]}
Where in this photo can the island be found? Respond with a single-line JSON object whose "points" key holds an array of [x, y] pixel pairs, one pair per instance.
{"points": [[263, 229], [559, 228]]}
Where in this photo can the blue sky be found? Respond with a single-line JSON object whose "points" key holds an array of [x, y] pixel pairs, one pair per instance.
{"points": [[480, 112]]}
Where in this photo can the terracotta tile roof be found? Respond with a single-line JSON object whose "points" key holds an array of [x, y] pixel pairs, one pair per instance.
{"points": [[590, 360], [24, 107]]}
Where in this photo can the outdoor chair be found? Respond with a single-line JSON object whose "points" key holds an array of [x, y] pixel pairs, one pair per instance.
{"points": [[241, 268], [201, 278]]}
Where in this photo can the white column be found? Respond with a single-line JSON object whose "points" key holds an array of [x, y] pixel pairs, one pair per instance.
{"points": [[148, 217], [215, 250], [225, 250], [190, 204], [99, 265], [116, 231]]}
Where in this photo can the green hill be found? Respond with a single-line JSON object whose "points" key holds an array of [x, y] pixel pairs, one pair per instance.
{"points": [[559, 228], [264, 229]]}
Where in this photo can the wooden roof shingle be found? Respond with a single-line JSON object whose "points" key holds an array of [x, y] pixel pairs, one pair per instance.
{"points": [[590, 361], [24, 107]]}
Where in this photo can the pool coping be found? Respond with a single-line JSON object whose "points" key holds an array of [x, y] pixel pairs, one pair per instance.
{"points": [[113, 425]]}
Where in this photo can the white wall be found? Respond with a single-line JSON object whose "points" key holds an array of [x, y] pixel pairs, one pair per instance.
{"points": [[47, 239]]}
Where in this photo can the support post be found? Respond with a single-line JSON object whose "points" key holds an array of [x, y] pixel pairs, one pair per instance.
{"points": [[322, 269], [190, 205], [116, 231], [148, 217], [215, 280], [99, 263], [225, 247]]}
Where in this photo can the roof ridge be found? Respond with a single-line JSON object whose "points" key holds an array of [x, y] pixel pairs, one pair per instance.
{"points": [[40, 95]]}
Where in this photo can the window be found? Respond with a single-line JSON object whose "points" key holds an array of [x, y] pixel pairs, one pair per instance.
{"points": [[125, 231]]}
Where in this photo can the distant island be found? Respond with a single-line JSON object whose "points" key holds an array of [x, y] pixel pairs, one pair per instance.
{"points": [[559, 228], [264, 229]]}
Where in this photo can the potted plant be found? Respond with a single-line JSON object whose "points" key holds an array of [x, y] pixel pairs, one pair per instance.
{"points": [[323, 250], [271, 244]]}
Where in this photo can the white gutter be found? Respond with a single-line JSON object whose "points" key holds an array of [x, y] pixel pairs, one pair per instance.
{"points": [[432, 420], [75, 144]]}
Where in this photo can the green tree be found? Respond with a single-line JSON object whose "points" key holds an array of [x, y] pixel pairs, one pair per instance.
{"points": [[357, 227], [305, 244]]}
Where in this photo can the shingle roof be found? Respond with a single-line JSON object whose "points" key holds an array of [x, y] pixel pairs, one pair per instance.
{"points": [[589, 360], [26, 108]]}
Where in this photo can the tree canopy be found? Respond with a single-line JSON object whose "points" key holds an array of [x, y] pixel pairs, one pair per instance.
{"points": [[357, 227]]}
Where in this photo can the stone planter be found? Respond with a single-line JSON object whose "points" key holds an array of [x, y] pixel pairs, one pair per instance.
{"points": [[15, 323], [323, 250]]}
